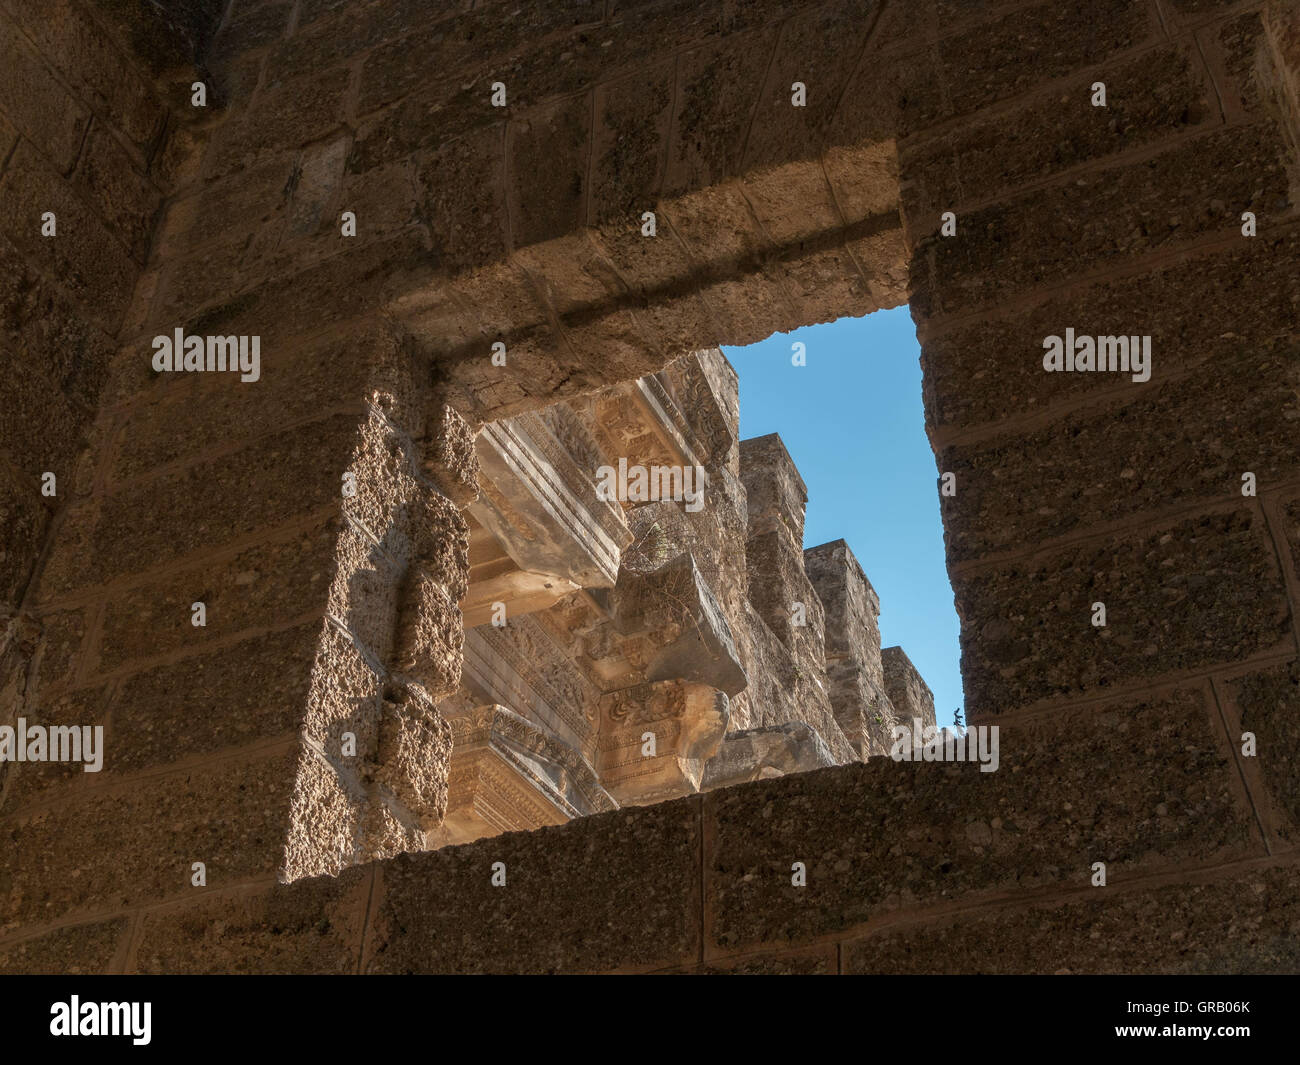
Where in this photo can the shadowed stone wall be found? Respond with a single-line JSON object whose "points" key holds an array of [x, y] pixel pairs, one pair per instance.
{"points": [[331, 613], [91, 142]]}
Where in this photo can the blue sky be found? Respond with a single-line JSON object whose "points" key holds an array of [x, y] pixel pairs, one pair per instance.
{"points": [[853, 423]]}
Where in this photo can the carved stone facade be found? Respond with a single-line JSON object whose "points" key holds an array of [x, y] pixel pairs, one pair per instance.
{"points": [[626, 650]]}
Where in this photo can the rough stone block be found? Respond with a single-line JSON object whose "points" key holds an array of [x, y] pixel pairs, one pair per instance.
{"points": [[1201, 310], [62, 633], [425, 59], [569, 61], [346, 696], [1201, 7], [718, 85], [96, 67], [1019, 50], [547, 164], [818, 48], [158, 829], [385, 200], [1157, 95], [75, 950], [87, 259], [850, 603], [438, 912], [1109, 217], [282, 117], [328, 823], [777, 496], [430, 637], [23, 521], [1243, 923], [37, 104], [1237, 414], [244, 208], [364, 364], [631, 128], [440, 542], [313, 223], [414, 756], [323, 295], [365, 588], [261, 588], [32, 397], [1269, 703], [864, 179], [909, 695], [828, 284], [250, 692], [1291, 530], [122, 197], [449, 457], [784, 598], [208, 504], [813, 961], [905, 835], [1200, 592], [250, 29], [29, 783], [308, 927]]}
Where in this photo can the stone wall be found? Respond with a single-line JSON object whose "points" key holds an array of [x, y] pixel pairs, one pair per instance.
{"points": [[331, 613], [89, 148], [910, 868]]}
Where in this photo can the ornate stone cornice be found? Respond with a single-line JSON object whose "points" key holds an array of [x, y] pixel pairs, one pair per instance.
{"points": [[542, 506]]}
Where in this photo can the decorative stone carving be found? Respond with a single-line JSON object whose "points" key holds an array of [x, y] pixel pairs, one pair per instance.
{"points": [[760, 753], [542, 506], [674, 598], [509, 775], [656, 737], [635, 634], [521, 666]]}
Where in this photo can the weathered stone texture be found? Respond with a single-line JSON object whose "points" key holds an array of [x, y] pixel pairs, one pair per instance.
{"points": [[942, 832], [1209, 307], [71, 951], [1245, 924], [522, 225], [570, 883], [1269, 702], [1201, 592], [314, 927], [909, 695], [158, 828]]}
